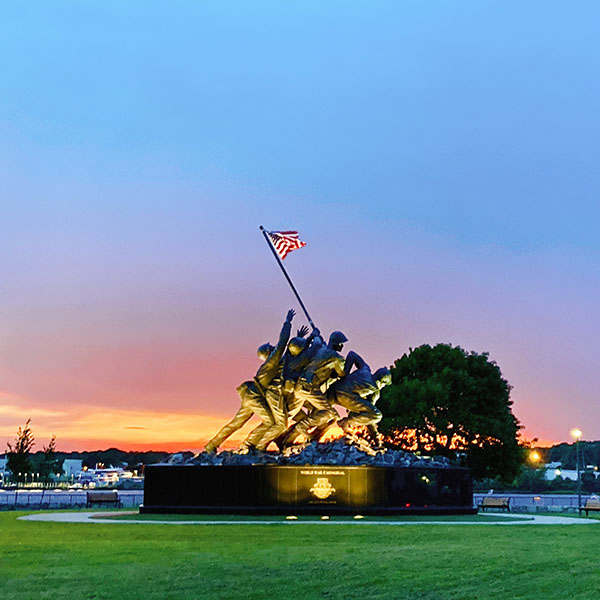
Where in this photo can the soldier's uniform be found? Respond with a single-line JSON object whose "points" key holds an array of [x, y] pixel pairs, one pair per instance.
{"points": [[326, 364], [354, 392], [258, 397]]}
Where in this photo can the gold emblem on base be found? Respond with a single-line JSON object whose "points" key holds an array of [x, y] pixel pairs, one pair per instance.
{"points": [[322, 488]]}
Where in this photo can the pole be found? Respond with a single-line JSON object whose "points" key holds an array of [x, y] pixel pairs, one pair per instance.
{"points": [[280, 263], [578, 478]]}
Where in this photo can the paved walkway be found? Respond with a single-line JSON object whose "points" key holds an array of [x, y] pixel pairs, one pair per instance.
{"points": [[88, 517]]}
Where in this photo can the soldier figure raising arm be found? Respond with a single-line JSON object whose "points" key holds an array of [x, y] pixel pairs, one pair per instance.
{"points": [[253, 393]]}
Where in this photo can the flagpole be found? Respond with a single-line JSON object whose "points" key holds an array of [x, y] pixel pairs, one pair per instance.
{"points": [[280, 263]]}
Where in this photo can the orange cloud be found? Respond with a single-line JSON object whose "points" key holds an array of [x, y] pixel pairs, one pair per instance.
{"points": [[92, 427]]}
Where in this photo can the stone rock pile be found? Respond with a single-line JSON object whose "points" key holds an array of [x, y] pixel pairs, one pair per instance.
{"points": [[341, 452]]}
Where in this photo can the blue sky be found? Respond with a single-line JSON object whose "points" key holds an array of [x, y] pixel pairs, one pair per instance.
{"points": [[438, 158]]}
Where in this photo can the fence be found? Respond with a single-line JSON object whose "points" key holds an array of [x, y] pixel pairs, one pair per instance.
{"points": [[28, 499], [31, 499], [537, 502]]}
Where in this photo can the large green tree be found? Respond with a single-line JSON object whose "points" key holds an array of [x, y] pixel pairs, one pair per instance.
{"points": [[446, 401]]}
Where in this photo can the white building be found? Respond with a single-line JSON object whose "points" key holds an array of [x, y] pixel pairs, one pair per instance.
{"points": [[72, 466], [3, 469], [554, 472], [102, 477], [554, 469]]}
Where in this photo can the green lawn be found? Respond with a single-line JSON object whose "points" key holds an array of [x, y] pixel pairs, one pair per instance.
{"points": [[138, 561]]}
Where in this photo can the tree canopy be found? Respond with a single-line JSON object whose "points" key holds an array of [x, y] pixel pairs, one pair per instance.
{"points": [[447, 401], [18, 461], [23, 464], [48, 464]]}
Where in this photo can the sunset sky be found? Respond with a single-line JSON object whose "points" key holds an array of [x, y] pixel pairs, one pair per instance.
{"points": [[439, 159]]}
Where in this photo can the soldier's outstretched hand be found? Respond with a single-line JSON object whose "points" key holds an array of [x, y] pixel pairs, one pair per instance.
{"points": [[303, 331], [290, 315]]}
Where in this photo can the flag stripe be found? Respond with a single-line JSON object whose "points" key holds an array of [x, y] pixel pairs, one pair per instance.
{"points": [[285, 241]]}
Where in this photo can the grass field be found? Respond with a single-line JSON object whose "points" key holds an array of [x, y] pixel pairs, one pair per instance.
{"points": [[150, 561]]}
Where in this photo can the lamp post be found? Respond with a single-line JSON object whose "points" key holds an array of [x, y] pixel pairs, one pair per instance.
{"points": [[576, 433]]}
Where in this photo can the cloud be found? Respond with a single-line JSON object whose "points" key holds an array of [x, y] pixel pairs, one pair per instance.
{"points": [[11, 410]]}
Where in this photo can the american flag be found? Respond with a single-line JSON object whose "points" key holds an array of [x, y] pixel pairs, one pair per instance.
{"points": [[285, 241]]}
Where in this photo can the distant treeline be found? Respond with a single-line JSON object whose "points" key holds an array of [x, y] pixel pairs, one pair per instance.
{"points": [[566, 454], [532, 475], [115, 457]]}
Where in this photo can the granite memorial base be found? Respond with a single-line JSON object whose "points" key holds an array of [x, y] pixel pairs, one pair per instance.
{"points": [[276, 489]]}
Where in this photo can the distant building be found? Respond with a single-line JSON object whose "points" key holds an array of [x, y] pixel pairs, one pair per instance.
{"points": [[554, 469], [3, 469], [72, 466], [101, 477]]}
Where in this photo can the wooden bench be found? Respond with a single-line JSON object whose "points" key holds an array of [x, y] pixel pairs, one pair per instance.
{"points": [[590, 505], [104, 497], [491, 502]]}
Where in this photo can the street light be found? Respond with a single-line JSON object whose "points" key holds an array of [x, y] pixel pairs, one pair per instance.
{"points": [[577, 433]]}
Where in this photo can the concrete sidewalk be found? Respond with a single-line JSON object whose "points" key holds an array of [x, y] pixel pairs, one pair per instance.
{"points": [[88, 517]]}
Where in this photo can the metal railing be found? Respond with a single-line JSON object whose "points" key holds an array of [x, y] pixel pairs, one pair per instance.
{"points": [[537, 502], [49, 498]]}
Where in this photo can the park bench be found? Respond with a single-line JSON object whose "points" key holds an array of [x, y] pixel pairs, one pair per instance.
{"points": [[104, 497], [491, 502], [590, 505]]}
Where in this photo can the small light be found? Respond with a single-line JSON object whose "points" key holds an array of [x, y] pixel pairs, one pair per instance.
{"points": [[292, 518], [358, 517], [408, 505], [324, 518], [576, 433]]}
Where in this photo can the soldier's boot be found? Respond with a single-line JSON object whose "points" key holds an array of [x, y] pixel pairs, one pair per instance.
{"points": [[210, 448]]}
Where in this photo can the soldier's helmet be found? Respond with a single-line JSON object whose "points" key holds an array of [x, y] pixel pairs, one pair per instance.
{"points": [[296, 345], [264, 351], [383, 376], [336, 340]]}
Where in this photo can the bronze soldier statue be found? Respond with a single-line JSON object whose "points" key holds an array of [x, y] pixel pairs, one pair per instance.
{"points": [[357, 392], [299, 353], [253, 394], [275, 395], [325, 365]]}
